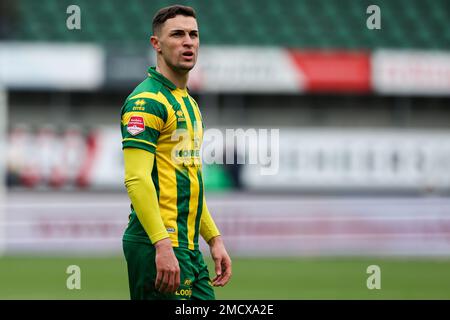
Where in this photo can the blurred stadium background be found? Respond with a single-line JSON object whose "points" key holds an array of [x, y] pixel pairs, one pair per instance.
{"points": [[364, 144]]}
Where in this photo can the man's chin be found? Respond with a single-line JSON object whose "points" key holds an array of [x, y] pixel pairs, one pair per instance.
{"points": [[186, 66]]}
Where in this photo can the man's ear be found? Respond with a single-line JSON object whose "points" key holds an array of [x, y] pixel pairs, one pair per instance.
{"points": [[154, 40]]}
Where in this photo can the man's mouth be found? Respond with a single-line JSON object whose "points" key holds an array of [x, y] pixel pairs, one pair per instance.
{"points": [[188, 54]]}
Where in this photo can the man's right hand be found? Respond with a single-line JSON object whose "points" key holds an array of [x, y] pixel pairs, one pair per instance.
{"points": [[167, 268]]}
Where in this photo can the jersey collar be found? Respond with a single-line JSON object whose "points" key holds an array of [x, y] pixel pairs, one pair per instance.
{"points": [[159, 77]]}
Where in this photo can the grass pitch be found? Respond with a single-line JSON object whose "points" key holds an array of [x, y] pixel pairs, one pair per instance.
{"points": [[253, 278]]}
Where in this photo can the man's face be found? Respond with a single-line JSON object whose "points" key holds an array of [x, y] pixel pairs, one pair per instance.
{"points": [[178, 42]]}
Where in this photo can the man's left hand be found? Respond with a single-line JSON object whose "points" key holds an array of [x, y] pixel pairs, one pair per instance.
{"points": [[222, 262]]}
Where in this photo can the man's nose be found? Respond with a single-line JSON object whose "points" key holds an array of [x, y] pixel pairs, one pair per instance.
{"points": [[187, 41]]}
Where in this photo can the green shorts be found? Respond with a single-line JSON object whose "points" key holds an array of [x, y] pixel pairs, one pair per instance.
{"points": [[195, 283]]}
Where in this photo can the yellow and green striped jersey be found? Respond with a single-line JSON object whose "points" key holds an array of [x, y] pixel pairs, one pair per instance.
{"points": [[165, 120]]}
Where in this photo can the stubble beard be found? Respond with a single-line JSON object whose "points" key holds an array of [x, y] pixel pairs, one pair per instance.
{"points": [[179, 67]]}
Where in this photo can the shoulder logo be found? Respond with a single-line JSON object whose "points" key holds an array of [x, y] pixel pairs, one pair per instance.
{"points": [[136, 125], [140, 102], [139, 105]]}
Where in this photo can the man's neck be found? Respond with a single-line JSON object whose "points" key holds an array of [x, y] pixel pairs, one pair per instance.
{"points": [[180, 80]]}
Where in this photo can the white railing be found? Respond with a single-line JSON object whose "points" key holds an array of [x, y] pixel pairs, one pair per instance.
{"points": [[89, 223]]}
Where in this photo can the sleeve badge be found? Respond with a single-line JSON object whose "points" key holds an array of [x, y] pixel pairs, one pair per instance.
{"points": [[136, 125]]}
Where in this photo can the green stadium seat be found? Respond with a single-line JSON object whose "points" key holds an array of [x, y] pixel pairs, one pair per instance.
{"points": [[291, 23]]}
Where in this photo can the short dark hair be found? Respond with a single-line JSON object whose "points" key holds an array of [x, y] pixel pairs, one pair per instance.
{"points": [[171, 12]]}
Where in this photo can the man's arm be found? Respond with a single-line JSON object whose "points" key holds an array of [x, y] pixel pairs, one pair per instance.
{"points": [[211, 234], [142, 193]]}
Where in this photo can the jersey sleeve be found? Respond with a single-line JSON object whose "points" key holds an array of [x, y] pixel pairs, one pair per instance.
{"points": [[208, 228], [142, 192], [142, 121]]}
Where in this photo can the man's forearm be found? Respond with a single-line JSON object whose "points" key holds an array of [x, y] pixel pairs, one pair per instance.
{"points": [[215, 240]]}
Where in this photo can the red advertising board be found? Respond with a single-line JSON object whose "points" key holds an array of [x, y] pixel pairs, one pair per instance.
{"points": [[334, 71]]}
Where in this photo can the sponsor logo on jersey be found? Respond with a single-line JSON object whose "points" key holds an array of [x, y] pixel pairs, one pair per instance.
{"points": [[136, 125], [139, 105], [180, 116]]}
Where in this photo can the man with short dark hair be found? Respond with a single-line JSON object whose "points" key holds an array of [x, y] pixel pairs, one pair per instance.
{"points": [[162, 132]]}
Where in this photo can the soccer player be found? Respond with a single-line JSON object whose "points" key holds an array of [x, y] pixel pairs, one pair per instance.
{"points": [[162, 133]]}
